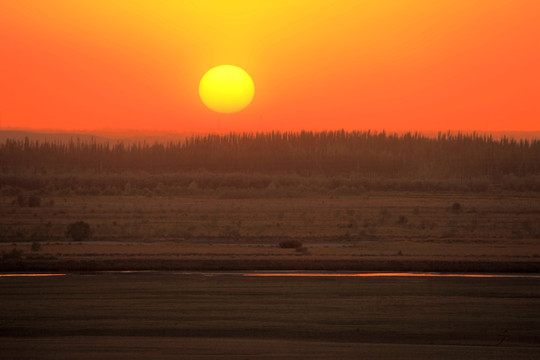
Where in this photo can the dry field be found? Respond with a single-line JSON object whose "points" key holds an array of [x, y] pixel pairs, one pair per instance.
{"points": [[373, 216], [378, 227]]}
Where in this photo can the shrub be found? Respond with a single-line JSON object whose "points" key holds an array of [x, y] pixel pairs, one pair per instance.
{"points": [[36, 246], [290, 244], [30, 201], [78, 231], [352, 224], [21, 200], [34, 201], [456, 207]]}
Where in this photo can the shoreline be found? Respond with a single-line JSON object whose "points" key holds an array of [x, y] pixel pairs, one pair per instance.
{"points": [[502, 267]]}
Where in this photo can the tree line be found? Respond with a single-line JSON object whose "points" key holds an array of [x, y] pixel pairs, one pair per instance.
{"points": [[329, 153]]}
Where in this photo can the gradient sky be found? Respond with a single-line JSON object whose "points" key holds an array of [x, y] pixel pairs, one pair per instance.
{"points": [[387, 64]]}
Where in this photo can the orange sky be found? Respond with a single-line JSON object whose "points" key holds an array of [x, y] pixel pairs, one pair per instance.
{"points": [[359, 64]]}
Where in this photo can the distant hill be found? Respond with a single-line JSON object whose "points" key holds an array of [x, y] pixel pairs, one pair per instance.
{"points": [[97, 136], [496, 134], [48, 136]]}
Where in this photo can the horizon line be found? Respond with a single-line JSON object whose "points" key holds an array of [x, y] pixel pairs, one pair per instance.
{"points": [[232, 131]]}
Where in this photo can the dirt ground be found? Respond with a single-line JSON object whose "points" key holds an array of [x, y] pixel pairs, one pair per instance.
{"points": [[419, 249], [160, 315], [374, 216], [171, 232]]}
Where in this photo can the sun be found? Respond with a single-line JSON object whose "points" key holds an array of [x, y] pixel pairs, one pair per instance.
{"points": [[226, 89]]}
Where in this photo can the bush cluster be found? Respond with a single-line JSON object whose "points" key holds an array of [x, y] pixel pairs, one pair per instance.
{"points": [[30, 201], [290, 244], [78, 231]]}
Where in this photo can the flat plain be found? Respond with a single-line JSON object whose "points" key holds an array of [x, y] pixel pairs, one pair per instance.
{"points": [[202, 307], [174, 315], [147, 233]]}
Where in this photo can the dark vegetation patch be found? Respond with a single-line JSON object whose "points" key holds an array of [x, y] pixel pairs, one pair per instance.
{"points": [[290, 244], [78, 231], [280, 164]]}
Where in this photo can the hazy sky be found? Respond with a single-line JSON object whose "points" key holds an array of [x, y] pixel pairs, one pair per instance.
{"points": [[359, 64]]}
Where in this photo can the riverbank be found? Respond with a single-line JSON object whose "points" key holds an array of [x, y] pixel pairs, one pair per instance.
{"points": [[38, 265], [420, 255]]}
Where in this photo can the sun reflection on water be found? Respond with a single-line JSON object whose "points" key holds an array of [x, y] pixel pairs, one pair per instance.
{"points": [[30, 275], [382, 274]]}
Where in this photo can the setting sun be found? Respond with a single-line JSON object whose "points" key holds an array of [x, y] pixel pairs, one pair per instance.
{"points": [[379, 197], [226, 89], [388, 65]]}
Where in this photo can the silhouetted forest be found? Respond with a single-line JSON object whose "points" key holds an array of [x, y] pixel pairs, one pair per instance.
{"points": [[375, 157], [338, 152]]}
